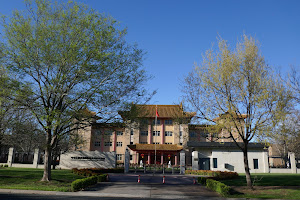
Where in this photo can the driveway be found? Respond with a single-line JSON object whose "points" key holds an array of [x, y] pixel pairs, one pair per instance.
{"points": [[150, 186]]}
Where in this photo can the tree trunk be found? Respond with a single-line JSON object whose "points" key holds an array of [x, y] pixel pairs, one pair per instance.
{"points": [[247, 170], [47, 159]]}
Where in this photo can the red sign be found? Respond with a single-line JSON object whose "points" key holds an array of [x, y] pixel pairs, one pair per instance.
{"points": [[142, 155], [169, 156]]}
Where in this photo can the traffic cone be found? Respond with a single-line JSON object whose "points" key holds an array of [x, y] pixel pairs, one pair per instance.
{"points": [[139, 178], [164, 179], [194, 180]]}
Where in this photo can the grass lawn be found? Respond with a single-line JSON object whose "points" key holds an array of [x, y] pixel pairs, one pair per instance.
{"points": [[267, 186], [29, 179]]}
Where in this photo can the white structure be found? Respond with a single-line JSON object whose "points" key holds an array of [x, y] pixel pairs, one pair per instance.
{"points": [[227, 157]]}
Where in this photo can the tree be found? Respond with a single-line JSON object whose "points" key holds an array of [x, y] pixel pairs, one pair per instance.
{"points": [[239, 87], [69, 58]]}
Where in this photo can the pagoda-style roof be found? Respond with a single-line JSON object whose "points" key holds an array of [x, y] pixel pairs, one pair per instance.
{"points": [[164, 111], [159, 147]]}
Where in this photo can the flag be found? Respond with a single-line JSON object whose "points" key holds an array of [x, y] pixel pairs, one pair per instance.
{"points": [[157, 115]]}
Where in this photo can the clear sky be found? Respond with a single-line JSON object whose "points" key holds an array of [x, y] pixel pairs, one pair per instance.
{"points": [[176, 33]]}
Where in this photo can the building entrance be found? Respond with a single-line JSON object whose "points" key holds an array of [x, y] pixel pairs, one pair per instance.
{"points": [[204, 163]]}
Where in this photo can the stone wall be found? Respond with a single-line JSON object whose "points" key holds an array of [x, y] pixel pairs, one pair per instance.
{"points": [[87, 159]]}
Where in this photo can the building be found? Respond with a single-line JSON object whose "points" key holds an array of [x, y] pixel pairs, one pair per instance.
{"points": [[161, 142]]}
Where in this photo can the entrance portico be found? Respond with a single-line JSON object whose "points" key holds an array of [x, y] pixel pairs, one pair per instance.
{"points": [[164, 153]]}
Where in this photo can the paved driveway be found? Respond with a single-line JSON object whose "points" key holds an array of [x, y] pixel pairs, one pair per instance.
{"points": [[150, 186]]}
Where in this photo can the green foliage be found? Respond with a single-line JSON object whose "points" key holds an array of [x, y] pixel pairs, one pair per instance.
{"points": [[69, 58], [96, 171], [217, 186], [83, 183], [216, 174], [202, 180], [102, 178]]}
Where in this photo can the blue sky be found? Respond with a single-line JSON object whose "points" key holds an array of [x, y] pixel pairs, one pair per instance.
{"points": [[176, 33]]}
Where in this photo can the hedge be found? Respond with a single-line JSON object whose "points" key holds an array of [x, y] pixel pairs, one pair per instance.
{"points": [[218, 175], [214, 185], [80, 184], [217, 186], [96, 171]]}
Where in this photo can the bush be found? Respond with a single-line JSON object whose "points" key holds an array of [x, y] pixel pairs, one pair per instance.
{"points": [[80, 184], [217, 186], [5, 165], [96, 171], [218, 175], [102, 178], [202, 180]]}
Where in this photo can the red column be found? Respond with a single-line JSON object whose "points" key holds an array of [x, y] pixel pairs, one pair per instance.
{"points": [[135, 158], [149, 133], [115, 140], [162, 159], [102, 140], [176, 159], [149, 158], [162, 131]]}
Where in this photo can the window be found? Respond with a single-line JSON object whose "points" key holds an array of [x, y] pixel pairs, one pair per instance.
{"points": [[131, 132], [98, 132], [157, 122], [108, 144], [119, 156], [255, 163], [168, 121], [119, 144], [108, 132], [119, 133], [97, 144], [168, 143], [143, 143], [157, 133], [215, 162], [144, 133], [204, 134], [192, 134], [131, 142], [180, 143], [155, 142], [130, 157], [180, 133], [168, 133]]}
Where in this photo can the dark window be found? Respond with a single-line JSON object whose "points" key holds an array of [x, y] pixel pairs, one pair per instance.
{"points": [[255, 163], [168, 121], [215, 162], [157, 122], [131, 132], [157, 133], [131, 142], [130, 157]]}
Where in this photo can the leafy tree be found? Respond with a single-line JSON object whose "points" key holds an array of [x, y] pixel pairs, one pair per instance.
{"points": [[239, 87], [69, 58]]}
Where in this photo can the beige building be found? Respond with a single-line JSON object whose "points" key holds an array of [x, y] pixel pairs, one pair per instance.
{"points": [[149, 141]]}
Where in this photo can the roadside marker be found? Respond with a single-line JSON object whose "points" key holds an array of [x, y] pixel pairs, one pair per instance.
{"points": [[164, 181], [139, 178], [194, 180]]}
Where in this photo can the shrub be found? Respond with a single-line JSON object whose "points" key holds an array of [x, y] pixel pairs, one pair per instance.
{"points": [[5, 165], [219, 175], [202, 180], [96, 171], [217, 186], [102, 178], [80, 184]]}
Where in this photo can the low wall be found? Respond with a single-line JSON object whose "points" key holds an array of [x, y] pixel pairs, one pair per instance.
{"points": [[281, 170], [87, 159]]}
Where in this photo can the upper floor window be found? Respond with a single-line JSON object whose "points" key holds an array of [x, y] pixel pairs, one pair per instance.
{"points": [[168, 121], [157, 122], [108, 144], [131, 132], [119, 133], [156, 134], [143, 143], [192, 134], [108, 132], [155, 142], [168, 143], [145, 133], [168, 133], [97, 144], [119, 144], [180, 133]]}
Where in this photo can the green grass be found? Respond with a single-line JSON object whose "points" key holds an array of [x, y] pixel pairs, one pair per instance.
{"points": [[29, 179], [266, 180], [262, 180]]}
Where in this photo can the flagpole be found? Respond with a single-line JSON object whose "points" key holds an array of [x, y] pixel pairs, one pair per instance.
{"points": [[155, 137]]}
